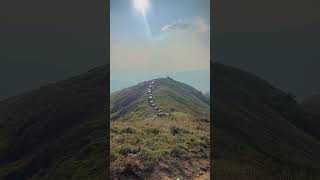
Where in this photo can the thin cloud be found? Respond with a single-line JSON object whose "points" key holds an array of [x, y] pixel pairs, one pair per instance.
{"points": [[198, 25], [180, 25]]}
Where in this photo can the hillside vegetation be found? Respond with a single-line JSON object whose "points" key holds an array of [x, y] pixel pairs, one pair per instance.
{"points": [[172, 96], [144, 145]]}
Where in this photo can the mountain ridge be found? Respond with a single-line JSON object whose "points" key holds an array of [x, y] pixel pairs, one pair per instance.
{"points": [[166, 92], [148, 145]]}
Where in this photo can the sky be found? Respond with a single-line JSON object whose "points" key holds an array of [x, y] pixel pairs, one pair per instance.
{"points": [[172, 36]]}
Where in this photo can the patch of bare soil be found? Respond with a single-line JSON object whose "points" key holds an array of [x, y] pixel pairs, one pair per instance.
{"points": [[186, 170]]}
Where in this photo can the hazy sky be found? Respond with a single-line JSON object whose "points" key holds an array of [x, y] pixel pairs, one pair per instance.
{"points": [[173, 36]]}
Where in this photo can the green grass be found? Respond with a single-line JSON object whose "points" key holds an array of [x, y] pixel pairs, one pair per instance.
{"points": [[172, 100], [170, 96], [139, 146]]}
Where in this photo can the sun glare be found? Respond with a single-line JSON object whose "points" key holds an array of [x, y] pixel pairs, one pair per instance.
{"points": [[141, 5]]}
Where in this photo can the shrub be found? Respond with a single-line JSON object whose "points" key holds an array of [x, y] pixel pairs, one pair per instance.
{"points": [[127, 167], [152, 131], [177, 153], [176, 130], [114, 130], [128, 149], [128, 130], [113, 156]]}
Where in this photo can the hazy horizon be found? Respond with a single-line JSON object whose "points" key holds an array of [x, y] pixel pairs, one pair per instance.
{"points": [[198, 79]]}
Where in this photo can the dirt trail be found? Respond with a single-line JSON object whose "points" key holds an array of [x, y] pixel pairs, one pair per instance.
{"points": [[152, 102]]}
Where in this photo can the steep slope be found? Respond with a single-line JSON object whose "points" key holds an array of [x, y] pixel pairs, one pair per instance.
{"points": [[57, 131], [258, 132], [145, 146]]}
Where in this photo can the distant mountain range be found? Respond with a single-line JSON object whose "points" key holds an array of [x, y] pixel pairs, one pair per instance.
{"points": [[199, 79]]}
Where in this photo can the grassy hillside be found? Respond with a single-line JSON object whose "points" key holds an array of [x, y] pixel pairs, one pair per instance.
{"points": [[146, 146], [57, 131], [172, 96], [258, 130]]}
